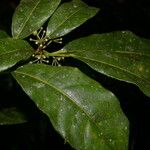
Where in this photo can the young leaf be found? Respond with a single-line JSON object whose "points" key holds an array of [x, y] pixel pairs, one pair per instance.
{"points": [[30, 15], [84, 113], [13, 51], [11, 115], [68, 17], [120, 55]]}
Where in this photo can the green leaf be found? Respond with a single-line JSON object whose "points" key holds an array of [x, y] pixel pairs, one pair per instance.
{"points": [[13, 51], [84, 113], [3, 34], [120, 55], [68, 17], [30, 15], [11, 115]]}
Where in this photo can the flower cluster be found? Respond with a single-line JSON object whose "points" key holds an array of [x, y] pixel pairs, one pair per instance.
{"points": [[42, 41]]}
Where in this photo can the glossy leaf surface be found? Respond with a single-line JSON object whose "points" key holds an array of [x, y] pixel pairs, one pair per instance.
{"points": [[30, 15], [68, 17], [13, 51], [84, 113], [120, 55], [11, 115]]}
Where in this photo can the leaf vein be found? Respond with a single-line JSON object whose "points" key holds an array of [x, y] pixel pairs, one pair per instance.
{"points": [[111, 66], [64, 21], [68, 97], [24, 24]]}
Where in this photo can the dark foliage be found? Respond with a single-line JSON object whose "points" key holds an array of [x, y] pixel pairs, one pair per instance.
{"points": [[38, 134]]}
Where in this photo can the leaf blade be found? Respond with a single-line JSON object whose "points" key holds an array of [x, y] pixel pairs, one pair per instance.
{"points": [[3, 34], [68, 17], [30, 15], [119, 55], [13, 51], [13, 115], [74, 106]]}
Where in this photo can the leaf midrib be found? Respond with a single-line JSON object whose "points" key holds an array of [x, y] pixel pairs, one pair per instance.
{"points": [[100, 50], [24, 24], [113, 66], [12, 52], [68, 97], [64, 21]]}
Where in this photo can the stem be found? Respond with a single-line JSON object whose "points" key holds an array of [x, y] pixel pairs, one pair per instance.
{"points": [[60, 53]]}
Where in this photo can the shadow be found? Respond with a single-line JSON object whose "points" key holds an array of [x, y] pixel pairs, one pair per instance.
{"points": [[37, 133]]}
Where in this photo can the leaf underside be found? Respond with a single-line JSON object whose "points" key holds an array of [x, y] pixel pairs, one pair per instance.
{"points": [[84, 113], [120, 55]]}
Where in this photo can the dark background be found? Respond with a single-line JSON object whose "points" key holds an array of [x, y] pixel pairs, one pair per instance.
{"points": [[38, 133]]}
